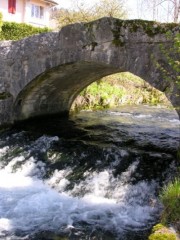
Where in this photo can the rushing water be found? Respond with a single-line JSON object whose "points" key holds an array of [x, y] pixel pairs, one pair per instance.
{"points": [[95, 176]]}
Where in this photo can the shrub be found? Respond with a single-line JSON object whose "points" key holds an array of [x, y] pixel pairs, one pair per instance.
{"points": [[118, 89], [170, 197], [1, 21], [17, 31], [101, 94]]}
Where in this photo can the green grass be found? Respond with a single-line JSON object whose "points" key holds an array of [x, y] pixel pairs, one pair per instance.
{"points": [[170, 197], [160, 232], [162, 236], [118, 89], [102, 94]]}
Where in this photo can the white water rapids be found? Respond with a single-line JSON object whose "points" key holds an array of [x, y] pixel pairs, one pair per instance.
{"points": [[30, 203]]}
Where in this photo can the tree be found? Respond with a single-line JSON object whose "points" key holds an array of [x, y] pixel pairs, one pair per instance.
{"points": [[168, 10], [1, 21], [81, 12]]}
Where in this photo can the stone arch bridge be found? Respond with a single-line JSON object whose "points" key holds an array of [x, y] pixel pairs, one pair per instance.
{"points": [[43, 74]]}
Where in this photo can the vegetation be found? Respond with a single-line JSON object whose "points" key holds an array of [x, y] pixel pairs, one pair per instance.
{"points": [[170, 197], [173, 62], [118, 89], [160, 232], [1, 21], [151, 28], [4, 95], [81, 12], [16, 31]]}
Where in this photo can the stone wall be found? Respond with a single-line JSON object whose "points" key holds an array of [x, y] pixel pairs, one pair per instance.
{"points": [[6, 117], [44, 73]]}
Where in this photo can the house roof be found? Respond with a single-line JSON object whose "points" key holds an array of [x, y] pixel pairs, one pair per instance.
{"points": [[52, 2]]}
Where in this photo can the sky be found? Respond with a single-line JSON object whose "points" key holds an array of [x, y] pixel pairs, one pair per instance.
{"points": [[131, 5], [134, 9]]}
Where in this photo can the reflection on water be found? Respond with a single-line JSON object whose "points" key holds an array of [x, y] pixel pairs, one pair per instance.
{"points": [[95, 176]]}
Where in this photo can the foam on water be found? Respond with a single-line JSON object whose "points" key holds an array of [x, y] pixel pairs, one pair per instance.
{"points": [[32, 201], [29, 204]]}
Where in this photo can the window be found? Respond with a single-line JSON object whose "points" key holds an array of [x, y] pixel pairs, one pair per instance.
{"points": [[37, 11], [12, 6]]}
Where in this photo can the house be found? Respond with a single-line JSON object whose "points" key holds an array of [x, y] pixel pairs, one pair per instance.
{"points": [[34, 12]]}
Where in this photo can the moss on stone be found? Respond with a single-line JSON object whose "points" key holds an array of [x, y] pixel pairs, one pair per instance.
{"points": [[89, 26], [4, 95], [162, 236], [118, 42], [157, 227], [151, 28], [160, 232], [93, 45]]}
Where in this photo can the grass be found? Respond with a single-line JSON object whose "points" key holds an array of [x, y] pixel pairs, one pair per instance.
{"points": [[118, 89], [160, 232], [163, 236], [170, 197]]}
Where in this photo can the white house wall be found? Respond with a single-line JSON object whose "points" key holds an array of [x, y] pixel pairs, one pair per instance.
{"points": [[18, 16], [37, 21], [23, 12]]}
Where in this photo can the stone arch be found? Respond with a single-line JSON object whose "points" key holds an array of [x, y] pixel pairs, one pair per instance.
{"points": [[34, 68], [54, 91]]}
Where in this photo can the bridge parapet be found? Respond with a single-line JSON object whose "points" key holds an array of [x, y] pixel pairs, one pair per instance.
{"points": [[42, 74]]}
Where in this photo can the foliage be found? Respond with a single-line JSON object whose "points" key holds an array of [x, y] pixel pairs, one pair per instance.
{"points": [[16, 31], [118, 89], [162, 236], [157, 227], [160, 232], [172, 56], [102, 94], [81, 12], [170, 198], [151, 28], [1, 21], [4, 95]]}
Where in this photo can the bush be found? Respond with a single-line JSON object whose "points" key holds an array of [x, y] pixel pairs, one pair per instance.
{"points": [[118, 89], [170, 197], [101, 95], [17, 31], [1, 21]]}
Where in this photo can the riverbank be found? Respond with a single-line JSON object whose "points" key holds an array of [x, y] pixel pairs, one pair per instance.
{"points": [[116, 90], [169, 227]]}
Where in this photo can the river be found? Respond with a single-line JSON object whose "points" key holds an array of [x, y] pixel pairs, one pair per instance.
{"points": [[95, 176]]}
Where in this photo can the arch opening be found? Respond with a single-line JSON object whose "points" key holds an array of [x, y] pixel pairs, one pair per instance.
{"points": [[54, 91], [117, 90]]}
